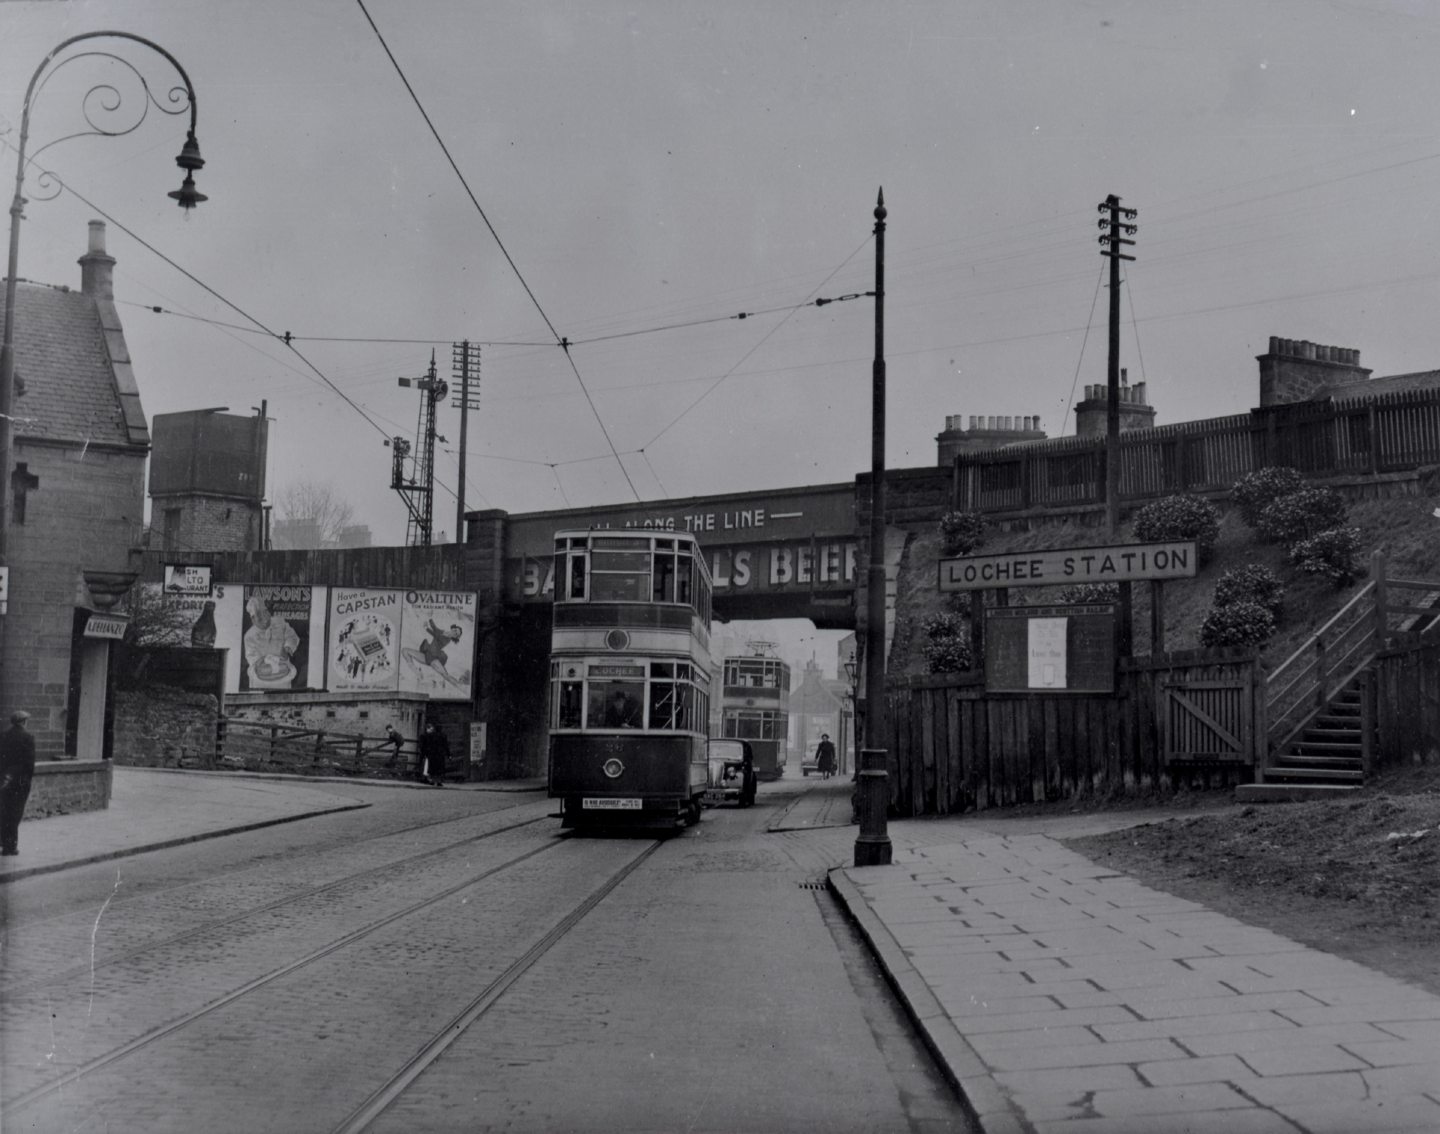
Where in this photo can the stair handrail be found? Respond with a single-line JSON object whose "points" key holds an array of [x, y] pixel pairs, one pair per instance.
{"points": [[1309, 644], [1318, 666]]}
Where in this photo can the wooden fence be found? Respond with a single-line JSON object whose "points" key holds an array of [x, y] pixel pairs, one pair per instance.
{"points": [[1336, 437], [1176, 717], [1407, 702], [262, 746]]}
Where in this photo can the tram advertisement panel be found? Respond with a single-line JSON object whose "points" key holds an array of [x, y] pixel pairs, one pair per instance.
{"points": [[282, 644], [364, 642], [437, 644]]}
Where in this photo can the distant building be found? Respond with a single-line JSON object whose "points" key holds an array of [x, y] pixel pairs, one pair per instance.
{"points": [[78, 500], [814, 709]]}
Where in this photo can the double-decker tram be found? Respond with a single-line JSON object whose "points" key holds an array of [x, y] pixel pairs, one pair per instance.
{"points": [[755, 706], [629, 678]]}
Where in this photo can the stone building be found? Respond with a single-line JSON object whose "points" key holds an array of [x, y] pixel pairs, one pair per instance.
{"points": [[78, 485]]}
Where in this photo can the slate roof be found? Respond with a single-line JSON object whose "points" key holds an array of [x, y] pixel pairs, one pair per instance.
{"points": [[70, 354]]}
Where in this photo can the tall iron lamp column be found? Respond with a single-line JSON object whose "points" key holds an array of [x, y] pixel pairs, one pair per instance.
{"points": [[102, 99], [872, 845]]}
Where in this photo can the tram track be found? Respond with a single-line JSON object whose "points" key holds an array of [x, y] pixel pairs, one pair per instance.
{"points": [[385, 1095], [427, 1053], [89, 968]]}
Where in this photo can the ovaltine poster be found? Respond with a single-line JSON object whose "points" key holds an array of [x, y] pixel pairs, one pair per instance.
{"points": [[364, 647], [282, 640], [437, 644]]}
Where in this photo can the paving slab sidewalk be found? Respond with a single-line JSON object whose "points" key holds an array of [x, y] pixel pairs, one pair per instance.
{"points": [[1065, 998], [154, 808]]}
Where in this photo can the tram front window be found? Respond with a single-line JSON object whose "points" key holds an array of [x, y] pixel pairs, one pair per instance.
{"points": [[571, 700], [616, 704]]}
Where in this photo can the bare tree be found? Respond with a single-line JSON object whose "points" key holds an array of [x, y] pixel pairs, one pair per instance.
{"points": [[309, 514]]}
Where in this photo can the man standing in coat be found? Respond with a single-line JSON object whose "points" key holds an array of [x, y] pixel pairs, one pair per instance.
{"points": [[434, 751], [17, 768]]}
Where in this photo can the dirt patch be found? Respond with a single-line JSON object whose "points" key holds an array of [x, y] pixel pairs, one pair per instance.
{"points": [[1358, 877]]}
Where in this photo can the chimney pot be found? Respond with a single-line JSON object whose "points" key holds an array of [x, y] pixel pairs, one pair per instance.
{"points": [[96, 268]]}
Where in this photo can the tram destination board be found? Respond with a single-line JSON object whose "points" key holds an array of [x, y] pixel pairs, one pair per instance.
{"points": [[1050, 649]]}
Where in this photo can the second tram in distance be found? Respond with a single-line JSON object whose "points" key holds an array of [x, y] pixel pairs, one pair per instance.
{"points": [[629, 678], [755, 706]]}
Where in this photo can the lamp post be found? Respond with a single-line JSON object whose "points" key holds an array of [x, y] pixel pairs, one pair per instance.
{"points": [[852, 696], [102, 99], [872, 845]]}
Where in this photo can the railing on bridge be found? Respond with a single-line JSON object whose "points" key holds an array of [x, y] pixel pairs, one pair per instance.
{"points": [[1389, 433]]}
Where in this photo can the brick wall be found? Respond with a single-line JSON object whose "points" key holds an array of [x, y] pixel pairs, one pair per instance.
{"points": [[206, 523], [162, 727], [64, 788], [85, 513]]}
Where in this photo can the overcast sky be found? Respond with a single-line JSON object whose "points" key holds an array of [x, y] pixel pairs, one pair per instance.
{"points": [[659, 163]]}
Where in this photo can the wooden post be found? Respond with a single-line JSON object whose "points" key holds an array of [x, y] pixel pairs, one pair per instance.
{"points": [[1367, 723], [1157, 618], [1382, 598], [1372, 433], [1261, 705], [1127, 616], [1321, 677], [977, 627]]}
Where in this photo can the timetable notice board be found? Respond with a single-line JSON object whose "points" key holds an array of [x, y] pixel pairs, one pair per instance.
{"points": [[1050, 649]]}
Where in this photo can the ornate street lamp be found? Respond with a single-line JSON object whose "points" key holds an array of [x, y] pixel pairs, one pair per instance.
{"points": [[105, 114]]}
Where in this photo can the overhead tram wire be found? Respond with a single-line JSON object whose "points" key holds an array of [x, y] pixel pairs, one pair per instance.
{"points": [[1090, 322], [560, 339], [233, 306], [1134, 326], [239, 310], [813, 301]]}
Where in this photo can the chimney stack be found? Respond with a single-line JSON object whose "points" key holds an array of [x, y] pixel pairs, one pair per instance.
{"points": [[97, 270]]}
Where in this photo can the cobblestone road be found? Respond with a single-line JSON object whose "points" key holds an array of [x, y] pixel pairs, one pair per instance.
{"points": [[710, 990]]}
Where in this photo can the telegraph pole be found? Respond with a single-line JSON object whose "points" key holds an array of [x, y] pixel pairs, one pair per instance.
{"points": [[465, 361], [1112, 238]]}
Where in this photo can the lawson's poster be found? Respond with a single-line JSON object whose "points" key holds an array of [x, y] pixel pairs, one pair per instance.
{"points": [[282, 638], [437, 644], [364, 644]]}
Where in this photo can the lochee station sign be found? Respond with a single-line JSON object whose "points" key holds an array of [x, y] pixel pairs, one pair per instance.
{"points": [[1126, 563]]}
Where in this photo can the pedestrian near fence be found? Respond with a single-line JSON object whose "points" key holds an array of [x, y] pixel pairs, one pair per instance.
{"points": [[434, 751], [17, 768]]}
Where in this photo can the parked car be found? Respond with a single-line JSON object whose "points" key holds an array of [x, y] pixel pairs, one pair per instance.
{"points": [[731, 773]]}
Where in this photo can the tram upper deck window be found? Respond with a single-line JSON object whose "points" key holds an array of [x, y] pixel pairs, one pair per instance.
{"points": [[620, 570], [664, 580]]}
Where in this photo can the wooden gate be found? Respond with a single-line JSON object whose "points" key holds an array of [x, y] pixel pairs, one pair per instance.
{"points": [[1208, 721]]}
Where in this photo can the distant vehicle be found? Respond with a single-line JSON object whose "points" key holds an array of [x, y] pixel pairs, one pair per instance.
{"points": [[755, 706], [629, 679], [732, 773]]}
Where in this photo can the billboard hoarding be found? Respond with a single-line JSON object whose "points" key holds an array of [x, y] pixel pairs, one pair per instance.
{"points": [[437, 646], [364, 641]]}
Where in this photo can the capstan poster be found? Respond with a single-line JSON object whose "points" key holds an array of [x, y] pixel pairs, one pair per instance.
{"points": [[364, 642]]}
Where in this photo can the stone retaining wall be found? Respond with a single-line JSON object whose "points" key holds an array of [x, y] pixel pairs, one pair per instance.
{"points": [[162, 727], [61, 787]]}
